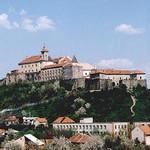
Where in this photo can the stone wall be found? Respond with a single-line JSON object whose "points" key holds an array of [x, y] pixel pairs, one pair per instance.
{"points": [[99, 84], [133, 82]]}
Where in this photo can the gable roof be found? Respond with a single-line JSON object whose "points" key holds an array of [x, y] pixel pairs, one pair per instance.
{"points": [[11, 119], [145, 129], [64, 120], [42, 120], [32, 59], [79, 138], [117, 72]]}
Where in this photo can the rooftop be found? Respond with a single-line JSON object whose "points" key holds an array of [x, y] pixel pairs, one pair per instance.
{"points": [[64, 120], [116, 72], [145, 129]]}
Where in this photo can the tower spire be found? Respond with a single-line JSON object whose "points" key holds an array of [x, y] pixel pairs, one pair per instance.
{"points": [[74, 59]]}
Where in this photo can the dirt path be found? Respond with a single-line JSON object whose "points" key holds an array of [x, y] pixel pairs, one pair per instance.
{"points": [[131, 108]]}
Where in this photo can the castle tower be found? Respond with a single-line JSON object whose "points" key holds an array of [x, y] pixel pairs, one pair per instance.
{"points": [[74, 59], [44, 53]]}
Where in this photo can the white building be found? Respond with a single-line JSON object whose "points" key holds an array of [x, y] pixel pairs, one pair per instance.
{"points": [[142, 133], [87, 125]]}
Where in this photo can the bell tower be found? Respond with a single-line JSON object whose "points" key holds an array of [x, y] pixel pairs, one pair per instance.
{"points": [[44, 53]]}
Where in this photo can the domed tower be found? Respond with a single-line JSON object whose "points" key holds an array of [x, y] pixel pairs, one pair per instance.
{"points": [[44, 53]]}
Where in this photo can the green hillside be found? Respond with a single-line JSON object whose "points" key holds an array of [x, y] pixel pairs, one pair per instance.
{"points": [[50, 100]]}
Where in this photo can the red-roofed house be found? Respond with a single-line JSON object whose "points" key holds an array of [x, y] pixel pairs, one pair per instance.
{"points": [[11, 120], [142, 133], [41, 121]]}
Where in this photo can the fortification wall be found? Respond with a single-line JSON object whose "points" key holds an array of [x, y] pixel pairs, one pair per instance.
{"points": [[133, 82]]}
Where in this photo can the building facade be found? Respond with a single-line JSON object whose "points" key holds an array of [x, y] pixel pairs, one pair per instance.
{"points": [[86, 125]]}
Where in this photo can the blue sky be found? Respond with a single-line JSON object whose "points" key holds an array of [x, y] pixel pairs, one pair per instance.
{"points": [[105, 33]]}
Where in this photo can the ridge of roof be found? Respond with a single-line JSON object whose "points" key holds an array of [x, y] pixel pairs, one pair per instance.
{"points": [[64, 120], [32, 59]]}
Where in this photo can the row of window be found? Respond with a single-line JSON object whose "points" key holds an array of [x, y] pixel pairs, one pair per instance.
{"points": [[52, 71], [33, 65], [50, 78], [102, 127], [120, 126], [28, 71]]}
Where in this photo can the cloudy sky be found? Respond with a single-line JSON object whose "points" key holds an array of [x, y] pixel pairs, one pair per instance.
{"points": [[105, 33]]}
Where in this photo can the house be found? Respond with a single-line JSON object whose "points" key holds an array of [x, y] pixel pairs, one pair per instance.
{"points": [[29, 120], [23, 141], [11, 120], [142, 133], [41, 121], [79, 138]]}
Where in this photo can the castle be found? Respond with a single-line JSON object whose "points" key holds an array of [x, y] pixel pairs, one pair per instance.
{"points": [[43, 68]]}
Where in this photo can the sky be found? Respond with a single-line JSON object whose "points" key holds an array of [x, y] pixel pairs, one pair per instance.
{"points": [[109, 34]]}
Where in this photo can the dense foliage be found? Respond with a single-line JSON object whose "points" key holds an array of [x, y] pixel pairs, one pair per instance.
{"points": [[50, 100]]}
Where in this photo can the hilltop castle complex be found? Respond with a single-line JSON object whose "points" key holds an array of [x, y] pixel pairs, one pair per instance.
{"points": [[43, 68]]}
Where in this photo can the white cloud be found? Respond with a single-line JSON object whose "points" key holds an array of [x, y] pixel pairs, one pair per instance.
{"points": [[23, 12], [128, 29], [27, 24], [115, 64], [15, 24], [4, 22], [42, 23]]}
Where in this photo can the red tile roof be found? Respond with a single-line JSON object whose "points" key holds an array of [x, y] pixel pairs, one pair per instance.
{"points": [[32, 59], [79, 138], [42, 120], [64, 59], [117, 72], [64, 120], [11, 119], [145, 129], [52, 66]]}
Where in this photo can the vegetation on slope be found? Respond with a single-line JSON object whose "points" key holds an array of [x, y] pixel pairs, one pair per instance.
{"points": [[51, 100]]}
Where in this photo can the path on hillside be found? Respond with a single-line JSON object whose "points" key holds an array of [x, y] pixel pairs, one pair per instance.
{"points": [[23, 106], [131, 108]]}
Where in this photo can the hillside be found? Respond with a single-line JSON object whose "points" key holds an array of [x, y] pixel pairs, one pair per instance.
{"points": [[50, 100]]}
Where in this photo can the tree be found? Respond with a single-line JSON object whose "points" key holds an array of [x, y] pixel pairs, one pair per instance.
{"points": [[95, 143], [59, 143], [12, 146]]}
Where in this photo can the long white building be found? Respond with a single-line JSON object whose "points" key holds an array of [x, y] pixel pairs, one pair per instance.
{"points": [[88, 126]]}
